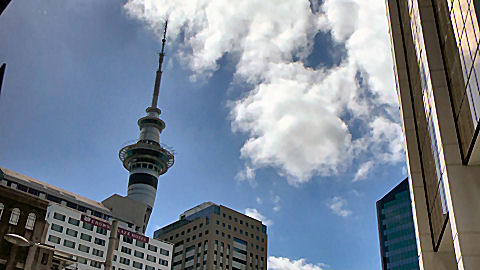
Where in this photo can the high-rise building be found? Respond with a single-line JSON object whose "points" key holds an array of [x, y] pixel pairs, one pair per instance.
{"points": [[435, 49], [211, 236], [398, 246]]}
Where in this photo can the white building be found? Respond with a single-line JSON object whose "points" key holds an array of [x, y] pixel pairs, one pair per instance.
{"points": [[87, 236]]}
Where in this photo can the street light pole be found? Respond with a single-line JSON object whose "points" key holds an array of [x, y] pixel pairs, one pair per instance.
{"points": [[112, 245]]}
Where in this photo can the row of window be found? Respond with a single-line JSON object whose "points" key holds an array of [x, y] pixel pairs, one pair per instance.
{"points": [[55, 199], [99, 230], [241, 222], [86, 249], [15, 217], [240, 230]]}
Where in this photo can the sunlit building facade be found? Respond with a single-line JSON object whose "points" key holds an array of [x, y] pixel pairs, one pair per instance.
{"points": [[436, 63], [214, 237], [396, 231]]}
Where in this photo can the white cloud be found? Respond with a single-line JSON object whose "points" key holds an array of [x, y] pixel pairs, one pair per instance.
{"points": [[293, 115], [363, 171], [282, 263], [276, 199], [338, 207], [259, 200], [253, 213], [276, 208]]}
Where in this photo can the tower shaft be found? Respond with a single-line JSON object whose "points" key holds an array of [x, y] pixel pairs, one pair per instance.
{"points": [[147, 159]]}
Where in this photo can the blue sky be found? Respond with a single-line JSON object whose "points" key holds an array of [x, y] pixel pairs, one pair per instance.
{"points": [[285, 110]]}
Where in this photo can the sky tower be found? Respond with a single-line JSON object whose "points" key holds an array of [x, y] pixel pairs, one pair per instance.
{"points": [[147, 159]]}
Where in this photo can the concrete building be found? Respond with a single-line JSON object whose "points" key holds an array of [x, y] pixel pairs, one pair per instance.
{"points": [[435, 48], [80, 227], [75, 232], [211, 237], [22, 214], [396, 231]]}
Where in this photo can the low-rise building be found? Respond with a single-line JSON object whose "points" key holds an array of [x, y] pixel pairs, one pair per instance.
{"points": [[79, 228]]}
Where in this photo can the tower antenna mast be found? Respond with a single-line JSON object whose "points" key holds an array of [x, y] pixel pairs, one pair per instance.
{"points": [[158, 77]]}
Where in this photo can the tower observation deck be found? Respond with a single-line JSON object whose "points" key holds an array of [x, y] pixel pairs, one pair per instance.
{"points": [[147, 159]]}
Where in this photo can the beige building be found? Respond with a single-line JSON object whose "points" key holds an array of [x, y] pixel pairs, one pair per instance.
{"points": [[435, 48], [211, 237]]}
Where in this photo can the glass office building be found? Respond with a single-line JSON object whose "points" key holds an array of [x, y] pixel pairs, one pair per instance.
{"points": [[396, 231], [435, 49]]}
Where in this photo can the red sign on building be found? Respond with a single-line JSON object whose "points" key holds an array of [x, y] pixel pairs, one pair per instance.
{"points": [[108, 226]]}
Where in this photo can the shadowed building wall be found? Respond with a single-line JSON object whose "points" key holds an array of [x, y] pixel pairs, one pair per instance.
{"points": [[396, 231]]}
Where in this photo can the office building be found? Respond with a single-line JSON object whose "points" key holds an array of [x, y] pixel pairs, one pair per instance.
{"points": [[211, 237], [435, 49], [398, 246]]}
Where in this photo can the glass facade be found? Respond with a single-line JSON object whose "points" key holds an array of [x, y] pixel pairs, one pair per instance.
{"points": [[467, 36], [462, 21], [435, 192], [396, 230]]}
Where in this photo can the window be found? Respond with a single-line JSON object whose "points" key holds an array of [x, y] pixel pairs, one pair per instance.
{"points": [[73, 221], [151, 258], [137, 265], [140, 244], [97, 252], [96, 264], [138, 254], [86, 237], [99, 241], [152, 248], [54, 239], [58, 216], [82, 260], [127, 240], [56, 227], [124, 261], [102, 231], [15, 216], [83, 248], [148, 267], [126, 250], [30, 221], [163, 262], [87, 226], [164, 252], [1, 210], [72, 232], [68, 243]]}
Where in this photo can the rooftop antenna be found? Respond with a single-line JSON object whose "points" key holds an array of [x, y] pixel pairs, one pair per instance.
{"points": [[158, 78]]}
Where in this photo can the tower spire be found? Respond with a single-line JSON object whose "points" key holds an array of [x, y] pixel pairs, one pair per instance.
{"points": [[158, 77], [147, 159]]}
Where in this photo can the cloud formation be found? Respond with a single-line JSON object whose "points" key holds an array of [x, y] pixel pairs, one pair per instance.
{"points": [[301, 120], [338, 207], [253, 213], [282, 263]]}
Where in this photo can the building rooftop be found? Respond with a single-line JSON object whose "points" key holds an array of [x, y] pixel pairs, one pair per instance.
{"points": [[52, 190]]}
